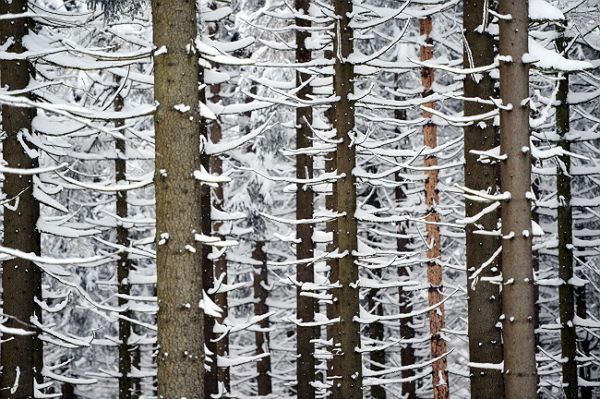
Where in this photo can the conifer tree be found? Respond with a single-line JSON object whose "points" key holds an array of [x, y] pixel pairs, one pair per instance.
{"points": [[434, 250], [178, 210], [518, 292], [305, 305], [346, 376], [484, 301], [20, 354]]}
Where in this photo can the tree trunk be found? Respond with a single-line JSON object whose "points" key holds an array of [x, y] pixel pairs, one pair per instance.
{"points": [[20, 356], [124, 263], [536, 261], [305, 305], [484, 302], [178, 210], [376, 329], [136, 354], [261, 293], [330, 228], [347, 362], [585, 371], [566, 292], [376, 333], [211, 384], [434, 250], [220, 264], [520, 378], [407, 332]]}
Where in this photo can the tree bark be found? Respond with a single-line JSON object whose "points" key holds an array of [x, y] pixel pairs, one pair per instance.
{"points": [[136, 354], [20, 356], [178, 210], [566, 291], [220, 264], [434, 250], [211, 384], [305, 305], [407, 331], [330, 228], [484, 301], [347, 362], [584, 371], [124, 263], [376, 329], [261, 293], [376, 333], [520, 375]]}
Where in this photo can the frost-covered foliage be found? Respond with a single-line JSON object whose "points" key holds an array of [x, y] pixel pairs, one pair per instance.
{"points": [[120, 8]]}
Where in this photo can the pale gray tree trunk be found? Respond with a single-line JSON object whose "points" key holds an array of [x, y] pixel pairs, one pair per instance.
{"points": [[520, 376], [178, 209]]}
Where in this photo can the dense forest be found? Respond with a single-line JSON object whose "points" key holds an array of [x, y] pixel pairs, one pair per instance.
{"points": [[345, 199]]}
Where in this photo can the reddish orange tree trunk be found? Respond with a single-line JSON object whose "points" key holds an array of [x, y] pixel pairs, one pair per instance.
{"points": [[434, 251]]}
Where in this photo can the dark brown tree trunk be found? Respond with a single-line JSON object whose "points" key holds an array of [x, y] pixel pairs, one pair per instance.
{"points": [[20, 355], [376, 329], [124, 264], [376, 333], [434, 252], [211, 384], [347, 362], [330, 228], [566, 291], [305, 305], [407, 331], [536, 262], [68, 391], [520, 375], [484, 302], [178, 210], [584, 371], [220, 264], [261, 293], [136, 354]]}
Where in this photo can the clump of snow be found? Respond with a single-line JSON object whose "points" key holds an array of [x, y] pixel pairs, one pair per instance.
{"points": [[182, 107], [161, 50], [541, 10], [548, 59]]}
